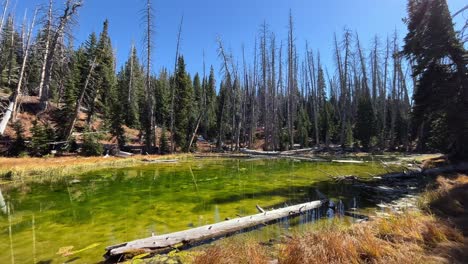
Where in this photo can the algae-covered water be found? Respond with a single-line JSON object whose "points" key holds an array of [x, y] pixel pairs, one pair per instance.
{"points": [[72, 219]]}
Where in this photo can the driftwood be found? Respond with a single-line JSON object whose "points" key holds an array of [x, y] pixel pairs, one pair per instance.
{"points": [[412, 172], [123, 154], [207, 232], [160, 161], [259, 152], [348, 161]]}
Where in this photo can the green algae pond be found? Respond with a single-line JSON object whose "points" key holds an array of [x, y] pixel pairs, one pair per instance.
{"points": [[72, 219]]}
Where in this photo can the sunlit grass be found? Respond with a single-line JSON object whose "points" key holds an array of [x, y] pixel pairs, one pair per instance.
{"points": [[14, 169]]}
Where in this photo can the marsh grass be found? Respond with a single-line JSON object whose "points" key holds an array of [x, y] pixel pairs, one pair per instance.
{"points": [[399, 239], [20, 169], [405, 238]]}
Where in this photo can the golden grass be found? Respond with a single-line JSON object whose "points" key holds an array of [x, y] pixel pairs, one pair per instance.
{"points": [[21, 168], [400, 239], [247, 252], [405, 238]]}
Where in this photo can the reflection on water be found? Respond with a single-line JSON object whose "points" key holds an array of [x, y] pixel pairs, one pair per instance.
{"points": [[76, 217]]}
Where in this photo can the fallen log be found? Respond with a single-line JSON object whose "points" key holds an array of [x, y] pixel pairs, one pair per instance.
{"points": [[348, 161], [260, 152], [159, 243], [123, 154], [412, 172], [160, 161]]}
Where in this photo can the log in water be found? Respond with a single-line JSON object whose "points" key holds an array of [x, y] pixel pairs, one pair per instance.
{"points": [[203, 233]]}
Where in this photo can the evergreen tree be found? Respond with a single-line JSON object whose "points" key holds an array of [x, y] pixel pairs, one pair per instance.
{"points": [[440, 70], [208, 125], [163, 142], [19, 145], [183, 99], [303, 127], [365, 122], [163, 98], [91, 145], [41, 138], [10, 60], [130, 83]]}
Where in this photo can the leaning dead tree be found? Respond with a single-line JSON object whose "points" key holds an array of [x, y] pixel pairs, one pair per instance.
{"points": [[5, 8], [13, 105], [71, 9], [173, 88], [48, 32], [80, 99]]}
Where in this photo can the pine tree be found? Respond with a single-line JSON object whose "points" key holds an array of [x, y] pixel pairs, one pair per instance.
{"points": [[91, 145], [10, 60], [303, 127], [208, 126], [365, 122], [163, 142], [130, 84], [41, 138], [440, 70], [163, 98], [183, 98], [19, 145]]}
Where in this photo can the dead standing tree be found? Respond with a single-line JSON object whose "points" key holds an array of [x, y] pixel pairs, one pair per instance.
{"points": [[13, 105], [71, 9], [149, 126], [173, 88]]}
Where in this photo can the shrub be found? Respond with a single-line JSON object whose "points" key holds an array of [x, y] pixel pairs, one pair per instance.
{"points": [[19, 145], [91, 145]]}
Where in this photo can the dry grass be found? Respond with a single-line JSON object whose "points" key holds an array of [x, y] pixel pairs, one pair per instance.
{"points": [[21, 168], [239, 252], [406, 238], [400, 239]]}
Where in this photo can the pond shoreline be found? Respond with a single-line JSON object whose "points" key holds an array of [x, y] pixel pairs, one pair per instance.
{"points": [[20, 169]]}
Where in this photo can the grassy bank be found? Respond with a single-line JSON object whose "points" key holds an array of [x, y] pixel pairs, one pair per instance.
{"points": [[436, 234], [17, 169]]}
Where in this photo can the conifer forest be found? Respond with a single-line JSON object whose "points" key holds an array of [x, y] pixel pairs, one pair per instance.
{"points": [[384, 95], [210, 131]]}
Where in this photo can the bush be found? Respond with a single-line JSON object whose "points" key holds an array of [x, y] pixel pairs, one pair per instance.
{"points": [[163, 143], [18, 147], [91, 145], [42, 136]]}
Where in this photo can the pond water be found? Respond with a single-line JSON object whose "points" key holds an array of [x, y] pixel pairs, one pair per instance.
{"points": [[74, 218]]}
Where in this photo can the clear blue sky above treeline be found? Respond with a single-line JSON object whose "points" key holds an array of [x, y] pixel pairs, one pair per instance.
{"points": [[237, 22]]}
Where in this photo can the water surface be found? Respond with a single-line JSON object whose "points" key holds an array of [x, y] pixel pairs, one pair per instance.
{"points": [[82, 214]]}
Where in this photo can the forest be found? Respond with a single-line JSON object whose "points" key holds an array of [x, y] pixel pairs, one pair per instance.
{"points": [[278, 151], [61, 96]]}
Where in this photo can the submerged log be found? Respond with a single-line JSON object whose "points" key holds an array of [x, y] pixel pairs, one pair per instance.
{"points": [[204, 233]]}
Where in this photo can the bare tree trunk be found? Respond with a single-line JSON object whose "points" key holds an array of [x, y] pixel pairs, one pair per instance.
{"points": [[173, 83], [195, 131], [384, 94], [46, 51], [394, 93], [5, 8], [291, 82], [12, 107], [70, 10], [79, 101], [150, 138]]}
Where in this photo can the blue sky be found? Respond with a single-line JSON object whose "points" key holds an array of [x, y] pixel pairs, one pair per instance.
{"points": [[237, 22]]}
